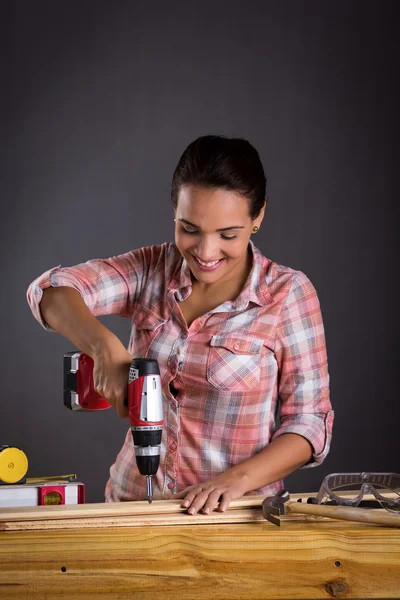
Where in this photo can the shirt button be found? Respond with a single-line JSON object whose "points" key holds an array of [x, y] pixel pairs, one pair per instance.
{"points": [[236, 346], [184, 336], [170, 486], [173, 406], [173, 445]]}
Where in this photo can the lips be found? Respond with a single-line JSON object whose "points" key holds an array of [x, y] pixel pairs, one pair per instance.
{"points": [[209, 265]]}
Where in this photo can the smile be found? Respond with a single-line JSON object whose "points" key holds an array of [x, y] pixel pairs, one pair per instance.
{"points": [[210, 265]]}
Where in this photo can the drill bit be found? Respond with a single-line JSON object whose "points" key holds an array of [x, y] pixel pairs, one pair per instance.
{"points": [[149, 489]]}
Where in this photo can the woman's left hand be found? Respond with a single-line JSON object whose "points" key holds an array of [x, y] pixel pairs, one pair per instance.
{"points": [[205, 496]]}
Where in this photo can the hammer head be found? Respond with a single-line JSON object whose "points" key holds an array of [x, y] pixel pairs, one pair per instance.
{"points": [[275, 505]]}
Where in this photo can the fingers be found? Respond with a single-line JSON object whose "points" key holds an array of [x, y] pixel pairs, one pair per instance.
{"points": [[225, 501], [204, 499], [217, 492], [211, 502], [121, 407], [110, 381], [115, 395]]}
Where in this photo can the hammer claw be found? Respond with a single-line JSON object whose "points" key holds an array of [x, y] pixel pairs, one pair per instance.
{"points": [[272, 519], [275, 505]]}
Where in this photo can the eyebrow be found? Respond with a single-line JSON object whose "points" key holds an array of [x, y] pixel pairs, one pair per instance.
{"points": [[222, 229]]}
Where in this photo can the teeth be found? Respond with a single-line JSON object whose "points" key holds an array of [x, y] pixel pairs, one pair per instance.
{"points": [[207, 264]]}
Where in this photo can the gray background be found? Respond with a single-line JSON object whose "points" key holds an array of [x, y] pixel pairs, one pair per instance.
{"points": [[99, 100]]}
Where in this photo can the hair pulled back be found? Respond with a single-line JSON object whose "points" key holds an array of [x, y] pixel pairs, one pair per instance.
{"points": [[220, 162]]}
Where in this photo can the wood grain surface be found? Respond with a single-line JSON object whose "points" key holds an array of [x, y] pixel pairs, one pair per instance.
{"points": [[193, 562], [198, 559]]}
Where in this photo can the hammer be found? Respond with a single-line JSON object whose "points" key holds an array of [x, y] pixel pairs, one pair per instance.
{"points": [[280, 505]]}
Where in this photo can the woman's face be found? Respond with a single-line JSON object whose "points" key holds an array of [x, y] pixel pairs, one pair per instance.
{"points": [[212, 232]]}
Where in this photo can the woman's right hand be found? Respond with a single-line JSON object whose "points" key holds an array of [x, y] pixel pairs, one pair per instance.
{"points": [[110, 376], [65, 311]]}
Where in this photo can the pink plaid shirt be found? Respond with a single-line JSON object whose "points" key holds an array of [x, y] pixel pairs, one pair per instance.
{"points": [[227, 371]]}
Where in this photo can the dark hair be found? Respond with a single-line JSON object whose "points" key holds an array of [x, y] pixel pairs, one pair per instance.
{"points": [[221, 162]]}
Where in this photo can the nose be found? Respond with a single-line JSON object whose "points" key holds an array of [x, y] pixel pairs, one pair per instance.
{"points": [[207, 248]]}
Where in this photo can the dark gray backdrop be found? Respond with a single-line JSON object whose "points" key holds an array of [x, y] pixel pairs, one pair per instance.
{"points": [[99, 99]]}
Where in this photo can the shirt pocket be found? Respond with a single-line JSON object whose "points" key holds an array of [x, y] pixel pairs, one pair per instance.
{"points": [[234, 362]]}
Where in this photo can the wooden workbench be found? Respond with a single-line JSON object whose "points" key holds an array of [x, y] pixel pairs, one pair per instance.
{"points": [[119, 556]]}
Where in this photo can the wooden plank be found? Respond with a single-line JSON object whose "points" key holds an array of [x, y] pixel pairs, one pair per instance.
{"points": [[244, 515], [101, 509], [123, 514], [258, 561], [82, 511], [116, 509]]}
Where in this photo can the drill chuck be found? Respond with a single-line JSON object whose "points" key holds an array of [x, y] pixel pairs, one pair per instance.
{"points": [[147, 459], [147, 450], [146, 436]]}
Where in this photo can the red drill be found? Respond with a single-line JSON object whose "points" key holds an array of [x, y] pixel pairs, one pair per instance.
{"points": [[144, 404]]}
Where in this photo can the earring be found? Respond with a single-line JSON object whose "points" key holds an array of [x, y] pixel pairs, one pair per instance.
{"points": [[255, 229], [174, 220]]}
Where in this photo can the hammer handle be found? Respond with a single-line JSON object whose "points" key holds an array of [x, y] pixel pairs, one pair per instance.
{"points": [[347, 513]]}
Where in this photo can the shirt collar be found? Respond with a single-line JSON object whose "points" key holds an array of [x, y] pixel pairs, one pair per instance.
{"points": [[255, 289], [181, 281]]}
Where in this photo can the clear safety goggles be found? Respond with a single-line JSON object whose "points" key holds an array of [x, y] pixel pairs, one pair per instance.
{"points": [[349, 489]]}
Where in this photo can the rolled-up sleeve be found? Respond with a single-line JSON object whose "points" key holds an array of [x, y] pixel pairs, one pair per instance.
{"points": [[300, 350], [107, 286]]}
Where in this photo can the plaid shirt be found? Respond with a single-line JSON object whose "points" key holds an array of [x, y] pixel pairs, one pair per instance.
{"points": [[228, 371]]}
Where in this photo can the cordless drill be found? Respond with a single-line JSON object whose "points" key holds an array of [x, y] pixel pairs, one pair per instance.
{"points": [[144, 404]]}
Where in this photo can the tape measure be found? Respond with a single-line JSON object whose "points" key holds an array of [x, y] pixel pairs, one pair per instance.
{"points": [[13, 465]]}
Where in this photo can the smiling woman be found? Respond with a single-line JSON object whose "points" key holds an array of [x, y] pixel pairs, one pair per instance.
{"points": [[234, 333], [207, 245], [218, 256], [218, 194]]}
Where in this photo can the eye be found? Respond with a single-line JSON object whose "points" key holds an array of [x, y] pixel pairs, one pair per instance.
{"points": [[227, 237], [184, 230], [224, 237]]}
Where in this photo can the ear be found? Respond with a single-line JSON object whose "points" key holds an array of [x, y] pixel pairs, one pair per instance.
{"points": [[258, 220]]}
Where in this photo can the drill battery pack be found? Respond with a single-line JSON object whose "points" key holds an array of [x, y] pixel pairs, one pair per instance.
{"points": [[79, 393]]}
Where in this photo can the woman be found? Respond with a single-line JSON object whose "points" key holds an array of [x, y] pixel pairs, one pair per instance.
{"points": [[234, 333]]}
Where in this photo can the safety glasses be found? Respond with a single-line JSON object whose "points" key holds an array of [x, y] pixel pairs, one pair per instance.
{"points": [[348, 489]]}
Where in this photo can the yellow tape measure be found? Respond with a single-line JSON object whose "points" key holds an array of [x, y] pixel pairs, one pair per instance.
{"points": [[13, 464]]}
